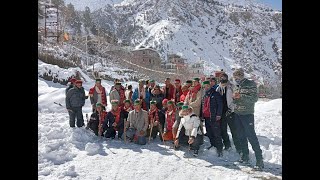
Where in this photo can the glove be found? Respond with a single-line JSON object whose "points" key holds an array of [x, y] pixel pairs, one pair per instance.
{"points": [[218, 118]]}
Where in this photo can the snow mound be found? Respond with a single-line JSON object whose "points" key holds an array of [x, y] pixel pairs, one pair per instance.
{"points": [[70, 172], [92, 148]]}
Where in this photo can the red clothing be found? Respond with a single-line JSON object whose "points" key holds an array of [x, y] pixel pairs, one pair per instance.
{"points": [[170, 119], [103, 94], [206, 107], [183, 96]]}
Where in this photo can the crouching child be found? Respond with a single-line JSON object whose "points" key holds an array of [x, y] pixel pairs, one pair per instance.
{"points": [[191, 135]]}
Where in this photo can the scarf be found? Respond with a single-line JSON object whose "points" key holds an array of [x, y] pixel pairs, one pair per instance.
{"points": [[122, 96], [142, 92], [153, 114], [116, 115], [193, 93], [170, 119], [101, 92]]}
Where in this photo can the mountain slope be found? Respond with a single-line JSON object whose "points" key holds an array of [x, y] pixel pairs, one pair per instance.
{"points": [[224, 36]]}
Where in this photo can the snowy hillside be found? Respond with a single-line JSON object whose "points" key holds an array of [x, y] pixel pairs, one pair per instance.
{"points": [[65, 153], [225, 34]]}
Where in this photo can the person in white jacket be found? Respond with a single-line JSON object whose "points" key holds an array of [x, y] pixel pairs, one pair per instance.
{"points": [[189, 132]]}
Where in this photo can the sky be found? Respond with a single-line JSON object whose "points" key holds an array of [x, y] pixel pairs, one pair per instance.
{"points": [[276, 4]]}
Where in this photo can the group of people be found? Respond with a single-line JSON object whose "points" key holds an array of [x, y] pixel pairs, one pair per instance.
{"points": [[175, 112]]}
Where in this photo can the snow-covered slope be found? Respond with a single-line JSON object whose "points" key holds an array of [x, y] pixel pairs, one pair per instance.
{"points": [[66, 153], [224, 34]]}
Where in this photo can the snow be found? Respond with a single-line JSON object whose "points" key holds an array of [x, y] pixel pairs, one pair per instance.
{"points": [[92, 4], [65, 153]]}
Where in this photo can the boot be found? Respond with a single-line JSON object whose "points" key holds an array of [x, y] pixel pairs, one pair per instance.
{"points": [[259, 165], [195, 153], [244, 159], [220, 154]]}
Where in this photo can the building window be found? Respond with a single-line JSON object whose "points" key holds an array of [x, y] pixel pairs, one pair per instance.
{"points": [[142, 60], [143, 52], [150, 61]]}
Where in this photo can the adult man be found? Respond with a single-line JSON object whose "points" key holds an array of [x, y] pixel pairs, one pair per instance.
{"points": [[113, 121], [193, 97], [138, 124], [75, 99], [157, 95], [177, 119], [98, 94], [117, 94], [191, 134], [96, 119], [226, 91], [211, 112], [168, 89], [71, 85], [177, 90], [141, 94], [244, 99], [156, 120]]}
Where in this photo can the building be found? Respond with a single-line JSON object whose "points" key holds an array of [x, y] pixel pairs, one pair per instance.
{"points": [[175, 64], [146, 57], [197, 68]]}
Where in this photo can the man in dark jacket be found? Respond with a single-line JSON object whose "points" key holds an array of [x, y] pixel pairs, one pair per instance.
{"points": [[113, 121], [157, 95], [97, 118], [75, 99], [245, 96], [72, 84], [226, 91], [211, 112]]}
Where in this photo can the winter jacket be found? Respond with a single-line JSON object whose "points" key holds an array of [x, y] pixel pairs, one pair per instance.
{"points": [[110, 119], [177, 93], [248, 97], [170, 94], [75, 97], [114, 95], [183, 96], [215, 102], [195, 103], [94, 121], [191, 124], [138, 120], [170, 118], [94, 96], [146, 100], [69, 87], [158, 98], [229, 89]]}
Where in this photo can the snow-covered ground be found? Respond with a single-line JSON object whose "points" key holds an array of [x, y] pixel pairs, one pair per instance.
{"points": [[67, 153]]}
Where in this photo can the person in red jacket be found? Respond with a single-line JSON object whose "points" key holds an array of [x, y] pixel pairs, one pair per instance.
{"points": [[185, 91], [168, 89], [170, 117], [98, 94]]}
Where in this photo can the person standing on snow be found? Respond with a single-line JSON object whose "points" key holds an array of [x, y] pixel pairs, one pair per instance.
{"points": [[117, 94], [98, 94], [211, 112], [72, 84], [75, 100], [244, 98], [227, 119]]}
